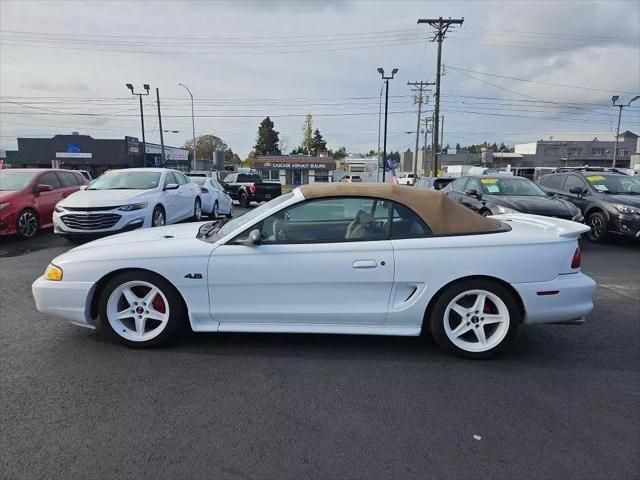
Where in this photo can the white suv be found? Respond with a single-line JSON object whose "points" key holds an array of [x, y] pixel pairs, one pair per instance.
{"points": [[407, 179], [123, 200]]}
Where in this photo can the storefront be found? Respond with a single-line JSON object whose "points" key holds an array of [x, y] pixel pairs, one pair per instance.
{"points": [[295, 170]]}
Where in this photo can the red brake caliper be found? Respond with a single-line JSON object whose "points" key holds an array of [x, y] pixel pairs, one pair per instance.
{"points": [[158, 304]]}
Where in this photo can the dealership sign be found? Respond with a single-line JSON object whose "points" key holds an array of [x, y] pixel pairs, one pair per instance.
{"points": [[297, 165], [73, 155]]}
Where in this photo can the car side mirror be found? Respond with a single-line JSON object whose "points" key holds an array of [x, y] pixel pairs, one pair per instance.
{"points": [[42, 187], [577, 191], [474, 193], [171, 186], [253, 239]]}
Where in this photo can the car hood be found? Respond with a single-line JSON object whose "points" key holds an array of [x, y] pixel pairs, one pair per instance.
{"points": [[631, 200], [103, 198], [534, 205]]}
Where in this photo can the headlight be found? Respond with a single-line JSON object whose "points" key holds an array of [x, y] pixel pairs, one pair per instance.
{"points": [[3, 205], [58, 208], [53, 273], [502, 209], [626, 209], [133, 206]]}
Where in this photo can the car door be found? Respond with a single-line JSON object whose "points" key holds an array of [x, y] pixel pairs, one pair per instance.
{"points": [[579, 200], [229, 185], [46, 201], [472, 201], [318, 263], [187, 193], [170, 199], [456, 189], [224, 201]]}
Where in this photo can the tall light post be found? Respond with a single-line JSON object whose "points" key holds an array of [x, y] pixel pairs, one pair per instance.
{"points": [[193, 125], [379, 125], [140, 95], [386, 112], [620, 106]]}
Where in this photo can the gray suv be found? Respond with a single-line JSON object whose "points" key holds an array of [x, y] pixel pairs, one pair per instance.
{"points": [[609, 201]]}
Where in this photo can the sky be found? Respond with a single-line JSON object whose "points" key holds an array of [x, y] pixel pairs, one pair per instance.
{"points": [[514, 72]]}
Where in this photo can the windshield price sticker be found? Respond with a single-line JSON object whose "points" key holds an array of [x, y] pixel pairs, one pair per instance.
{"points": [[601, 188], [489, 181], [595, 178], [493, 189]]}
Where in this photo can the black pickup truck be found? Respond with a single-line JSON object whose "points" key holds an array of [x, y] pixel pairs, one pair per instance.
{"points": [[249, 187]]}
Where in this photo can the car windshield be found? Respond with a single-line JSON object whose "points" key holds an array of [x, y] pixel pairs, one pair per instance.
{"points": [[126, 180], [510, 186], [228, 227], [614, 184], [198, 180], [15, 180]]}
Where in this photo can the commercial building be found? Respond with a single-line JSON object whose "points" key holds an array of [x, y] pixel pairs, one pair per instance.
{"points": [[295, 169], [97, 155]]}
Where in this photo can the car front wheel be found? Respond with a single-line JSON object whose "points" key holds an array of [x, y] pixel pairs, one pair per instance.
{"points": [[27, 224], [140, 309], [158, 218], [598, 224], [216, 210], [475, 318], [197, 210]]}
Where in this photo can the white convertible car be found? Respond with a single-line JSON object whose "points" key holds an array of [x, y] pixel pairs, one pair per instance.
{"points": [[337, 258]]}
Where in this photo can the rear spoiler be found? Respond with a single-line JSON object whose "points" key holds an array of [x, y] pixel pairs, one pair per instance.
{"points": [[563, 228]]}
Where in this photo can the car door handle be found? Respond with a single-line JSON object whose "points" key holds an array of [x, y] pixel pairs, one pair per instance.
{"points": [[365, 264]]}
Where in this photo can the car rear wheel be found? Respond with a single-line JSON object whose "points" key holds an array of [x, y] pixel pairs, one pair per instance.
{"points": [[197, 210], [598, 224], [141, 309], [158, 218], [475, 319], [27, 224]]}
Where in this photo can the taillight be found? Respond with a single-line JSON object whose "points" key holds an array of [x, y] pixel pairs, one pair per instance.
{"points": [[577, 258], [204, 190], [252, 188]]}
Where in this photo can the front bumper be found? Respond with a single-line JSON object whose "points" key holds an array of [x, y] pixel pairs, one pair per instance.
{"points": [[70, 300], [128, 221], [626, 224], [8, 223], [573, 300]]}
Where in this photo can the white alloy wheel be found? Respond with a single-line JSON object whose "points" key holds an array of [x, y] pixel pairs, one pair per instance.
{"points": [[476, 320], [137, 311]]}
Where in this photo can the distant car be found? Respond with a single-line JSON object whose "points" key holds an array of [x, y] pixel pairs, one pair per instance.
{"points": [[373, 259], [128, 199], [351, 179], [433, 183], [28, 197], [508, 194], [408, 179], [609, 201], [249, 187], [215, 201], [85, 174]]}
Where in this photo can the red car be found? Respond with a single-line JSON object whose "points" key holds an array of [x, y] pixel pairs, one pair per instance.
{"points": [[29, 195]]}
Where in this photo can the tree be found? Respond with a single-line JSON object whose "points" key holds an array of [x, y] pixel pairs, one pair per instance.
{"points": [[231, 158], [447, 147], [458, 148], [307, 135], [338, 154], [494, 147], [502, 146], [267, 141], [206, 145], [284, 143], [318, 144]]}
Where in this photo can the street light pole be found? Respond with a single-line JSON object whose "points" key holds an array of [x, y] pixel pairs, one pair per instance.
{"points": [[386, 112], [140, 95], [379, 124], [193, 126], [620, 106]]}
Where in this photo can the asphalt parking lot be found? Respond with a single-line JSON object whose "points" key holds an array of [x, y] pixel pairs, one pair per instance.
{"points": [[562, 403]]}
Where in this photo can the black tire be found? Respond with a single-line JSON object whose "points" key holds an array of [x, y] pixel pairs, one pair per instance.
{"points": [[437, 317], [214, 213], [158, 213], [174, 327], [244, 200], [197, 210], [27, 224], [598, 223], [230, 214], [486, 213]]}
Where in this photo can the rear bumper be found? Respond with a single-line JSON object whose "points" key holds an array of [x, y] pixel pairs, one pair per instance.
{"points": [[573, 300], [68, 300]]}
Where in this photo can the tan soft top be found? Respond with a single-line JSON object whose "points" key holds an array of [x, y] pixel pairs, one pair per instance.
{"points": [[442, 215]]}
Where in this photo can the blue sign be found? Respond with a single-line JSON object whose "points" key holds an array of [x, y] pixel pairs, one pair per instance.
{"points": [[73, 148]]}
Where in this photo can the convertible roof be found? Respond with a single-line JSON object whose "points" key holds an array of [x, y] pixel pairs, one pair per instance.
{"points": [[442, 215]]}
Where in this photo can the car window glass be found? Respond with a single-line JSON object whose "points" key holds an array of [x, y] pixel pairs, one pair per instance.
{"points": [[169, 178], [543, 180], [459, 185], [336, 219], [79, 178], [473, 184], [573, 181], [49, 178], [180, 178], [555, 181], [406, 224], [67, 179], [216, 185]]}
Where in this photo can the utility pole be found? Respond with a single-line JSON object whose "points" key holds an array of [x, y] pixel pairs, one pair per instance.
{"points": [[442, 26], [441, 135], [140, 95], [424, 155], [379, 123], [421, 86], [193, 126], [620, 106], [160, 123], [386, 112]]}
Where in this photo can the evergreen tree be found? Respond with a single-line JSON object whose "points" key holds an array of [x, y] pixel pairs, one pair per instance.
{"points": [[458, 148], [502, 146], [318, 144], [267, 141], [494, 147], [307, 135]]}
